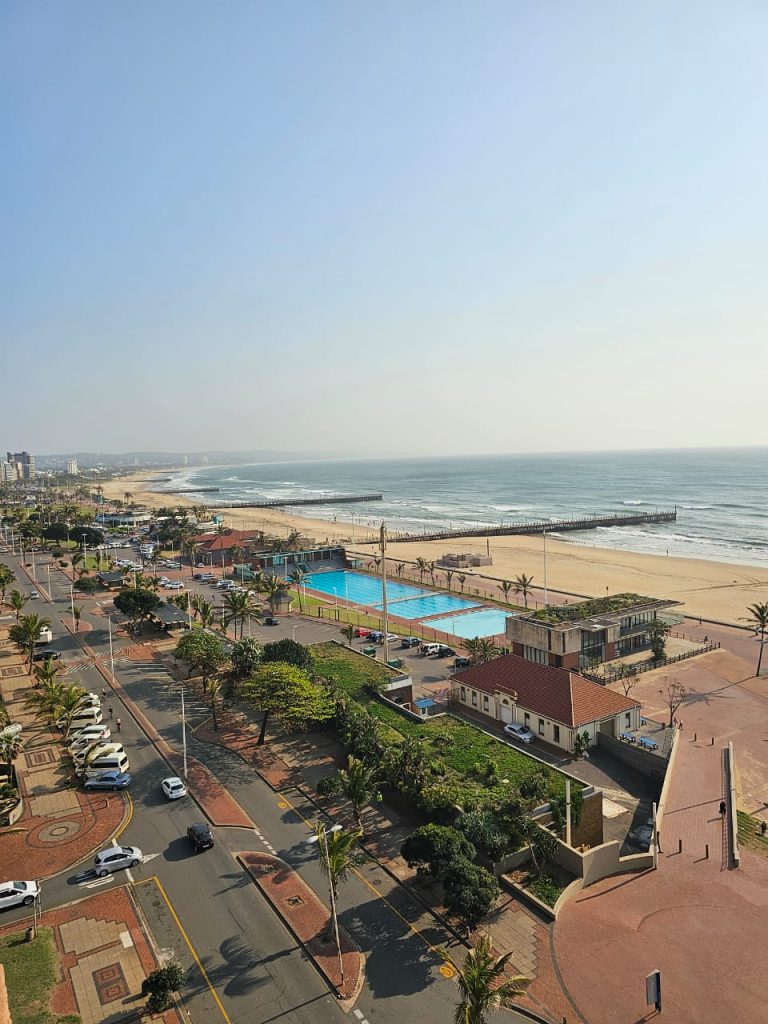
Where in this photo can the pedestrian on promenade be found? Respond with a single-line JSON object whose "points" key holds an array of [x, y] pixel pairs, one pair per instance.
{"points": [[111, 712], [104, 694], [119, 725], [680, 724], [722, 808]]}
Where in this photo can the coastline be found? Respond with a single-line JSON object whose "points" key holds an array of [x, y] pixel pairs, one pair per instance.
{"points": [[716, 590]]}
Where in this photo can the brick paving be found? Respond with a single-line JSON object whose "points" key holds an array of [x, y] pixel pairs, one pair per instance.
{"points": [[104, 956], [308, 919]]}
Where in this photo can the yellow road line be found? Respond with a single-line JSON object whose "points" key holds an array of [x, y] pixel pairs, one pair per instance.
{"points": [[127, 821], [369, 885], [186, 938]]}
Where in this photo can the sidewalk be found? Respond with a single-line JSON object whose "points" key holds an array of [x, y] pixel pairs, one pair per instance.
{"points": [[104, 956]]}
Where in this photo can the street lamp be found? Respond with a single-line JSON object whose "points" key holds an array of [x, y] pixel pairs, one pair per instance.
{"points": [[322, 840]]}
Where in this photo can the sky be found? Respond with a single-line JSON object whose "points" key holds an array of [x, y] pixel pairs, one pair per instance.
{"points": [[404, 228]]}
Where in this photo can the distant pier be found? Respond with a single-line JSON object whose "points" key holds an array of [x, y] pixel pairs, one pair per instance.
{"points": [[332, 499], [557, 526], [192, 490]]}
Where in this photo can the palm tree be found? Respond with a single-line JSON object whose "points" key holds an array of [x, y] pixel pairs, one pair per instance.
{"points": [[349, 633], [423, 566], [76, 558], [462, 580], [358, 786], [214, 689], [47, 673], [505, 586], [17, 602], [523, 585], [399, 566], [481, 650], [207, 613], [77, 611], [26, 632], [69, 703], [10, 748], [43, 702], [292, 540], [482, 983], [7, 577], [238, 608], [448, 577], [337, 859], [758, 620], [273, 588], [297, 578], [189, 548]]}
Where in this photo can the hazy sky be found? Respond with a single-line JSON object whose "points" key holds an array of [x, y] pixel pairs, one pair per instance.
{"points": [[409, 227]]}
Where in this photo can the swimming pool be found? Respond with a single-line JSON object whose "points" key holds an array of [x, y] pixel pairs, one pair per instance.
{"points": [[429, 604], [488, 622], [359, 588]]}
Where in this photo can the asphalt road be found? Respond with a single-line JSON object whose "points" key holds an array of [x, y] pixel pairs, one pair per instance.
{"points": [[243, 964]]}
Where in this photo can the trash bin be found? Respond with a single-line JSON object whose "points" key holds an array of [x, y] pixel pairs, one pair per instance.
{"points": [[370, 651]]}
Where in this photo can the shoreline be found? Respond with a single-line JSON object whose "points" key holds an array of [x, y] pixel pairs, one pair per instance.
{"points": [[717, 590]]}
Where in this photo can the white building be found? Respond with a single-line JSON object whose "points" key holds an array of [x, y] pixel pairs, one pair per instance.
{"points": [[72, 466]]}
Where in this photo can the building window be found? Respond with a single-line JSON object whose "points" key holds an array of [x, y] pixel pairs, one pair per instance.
{"points": [[541, 727], [527, 720], [556, 733], [627, 720], [474, 698], [485, 702], [534, 654], [464, 694]]}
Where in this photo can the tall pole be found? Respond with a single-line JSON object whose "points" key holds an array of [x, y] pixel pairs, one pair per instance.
{"points": [[184, 731], [111, 654], [568, 812], [50, 592], [72, 604], [34, 567], [546, 598], [384, 609]]}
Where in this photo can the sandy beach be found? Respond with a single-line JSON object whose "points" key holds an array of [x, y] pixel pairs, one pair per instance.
{"points": [[716, 590]]}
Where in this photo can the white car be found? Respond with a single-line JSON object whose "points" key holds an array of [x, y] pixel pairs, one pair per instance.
{"points": [[174, 788], [178, 585], [519, 732], [225, 584], [15, 894], [33, 595], [116, 857], [11, 730], [91, 733]]}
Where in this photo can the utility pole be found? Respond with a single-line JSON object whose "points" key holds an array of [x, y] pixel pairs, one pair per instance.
{"points": [[383, 547], [568, 812], [184, 731], [546, 598]]}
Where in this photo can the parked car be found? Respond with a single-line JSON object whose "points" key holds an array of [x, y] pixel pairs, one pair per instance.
{"points": [[200, 836], [391, 638], [271, 621], [92, 732], [445, 651], [33, 595], [173, 788], [361, 631], [516, 731], [116, 857], [430, 649], [18, 894], [462, 662], [173, 565], [178, 585], [109, 780], [225, 584], [10, 730], [410, 641], [376, 636], [45, 654]]}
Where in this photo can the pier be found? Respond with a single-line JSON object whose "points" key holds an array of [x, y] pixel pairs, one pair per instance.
{"points": [[332, 499], [192, 490], [557, 526]]}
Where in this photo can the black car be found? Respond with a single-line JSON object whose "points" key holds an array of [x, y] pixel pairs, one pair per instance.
{"points": [[462, 663], [200, 836], [271, 621], [45, 655]]}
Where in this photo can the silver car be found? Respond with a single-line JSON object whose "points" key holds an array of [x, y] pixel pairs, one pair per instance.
{"points": [[115, 858]]}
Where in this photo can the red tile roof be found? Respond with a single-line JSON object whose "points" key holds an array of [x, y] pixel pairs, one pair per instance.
{"points": [[553, 693], [225, 541]]}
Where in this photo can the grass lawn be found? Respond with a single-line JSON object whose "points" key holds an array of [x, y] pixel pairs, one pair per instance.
{"points": [[463, 750], [31, 970], [750, 834]]}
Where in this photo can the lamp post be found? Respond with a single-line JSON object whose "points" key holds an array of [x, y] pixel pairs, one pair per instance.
{"points": [[546, 598], [72, 604], [184, 731], [384, 610], [111, 654], [322, 840]]}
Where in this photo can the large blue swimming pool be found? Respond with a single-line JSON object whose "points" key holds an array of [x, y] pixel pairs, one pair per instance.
{"points": [[409, 602]]}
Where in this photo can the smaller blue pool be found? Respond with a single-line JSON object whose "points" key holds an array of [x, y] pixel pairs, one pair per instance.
{"points": [[431, 604], [488, 622]]}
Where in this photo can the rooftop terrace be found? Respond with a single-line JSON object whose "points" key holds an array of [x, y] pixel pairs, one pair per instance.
{"points": [[614, 604]]}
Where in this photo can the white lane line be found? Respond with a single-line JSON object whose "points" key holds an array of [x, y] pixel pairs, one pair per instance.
{"points": [[97, 882], [128, 875], [358, 1014]]}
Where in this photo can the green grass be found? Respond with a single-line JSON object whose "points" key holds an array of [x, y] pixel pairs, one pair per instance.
{"points": [[31, 970], [749, 833], [545, 888], [462, 749]]}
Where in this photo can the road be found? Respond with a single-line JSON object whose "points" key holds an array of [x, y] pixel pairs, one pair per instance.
{"points": [[243, 964]]}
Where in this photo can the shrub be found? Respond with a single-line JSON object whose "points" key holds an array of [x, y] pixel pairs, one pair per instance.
{"points": [[545, 888], [470, 892], [86, 585], [483, 831], [432, 849], [289, 651]]}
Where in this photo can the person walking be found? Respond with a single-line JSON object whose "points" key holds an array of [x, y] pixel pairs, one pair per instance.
{"points": [[722, 808], [111, 712], [119, 725]]}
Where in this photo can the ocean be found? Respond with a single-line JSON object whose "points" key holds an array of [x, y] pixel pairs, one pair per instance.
{"points": [[721, 495]]}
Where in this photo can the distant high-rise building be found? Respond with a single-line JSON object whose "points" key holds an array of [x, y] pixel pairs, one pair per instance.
{"points": [[24, 463], [7, 472], [185, 459], [204, 459], [72, 466]]}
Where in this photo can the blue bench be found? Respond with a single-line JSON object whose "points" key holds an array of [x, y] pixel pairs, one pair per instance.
{"points": [[648, 744], [629, 737]]}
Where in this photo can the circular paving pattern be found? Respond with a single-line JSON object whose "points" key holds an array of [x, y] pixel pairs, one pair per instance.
{"points": [[59, 832]]}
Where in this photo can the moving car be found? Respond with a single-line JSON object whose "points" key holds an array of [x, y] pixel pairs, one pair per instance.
{"points": [[33, 595], [445, 651], [516, 731], [200, 836], [45, 655], [174, 788], [17, 894], [109, 780], [116, 857], [45, 636], [225, 584]]}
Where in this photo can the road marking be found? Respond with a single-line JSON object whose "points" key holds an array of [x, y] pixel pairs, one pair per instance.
{"points": [[96, 882], [358, 1013], [127, 821], [129, 876], [191, 948]]}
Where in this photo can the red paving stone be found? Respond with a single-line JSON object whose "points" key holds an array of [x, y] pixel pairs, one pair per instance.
{"points": [[240, 737], [307, 918]]}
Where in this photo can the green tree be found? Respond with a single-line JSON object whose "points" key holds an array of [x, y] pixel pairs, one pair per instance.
{"points": [[358, 785], [657, 635], [523, 584], [484, 985], [203, 651], [432, 849], [758, 620], [246, 656], [189, 548], [69, 702], [10, 748], [45, 700], [339, 854], [273, 589], [26, 632], [289, 651], [214, 692], [136, 603], [17, 602], [288, 694], [541, 844], [298, 578], [505, 586], [484, 833], [481, 650], [470, 892], [46, 673], [422, 566], [348, 632], [239, 606], [77, 611], [7, 577]]}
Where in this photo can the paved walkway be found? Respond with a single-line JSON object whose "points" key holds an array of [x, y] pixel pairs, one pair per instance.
{"points": [[104, 956]]}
